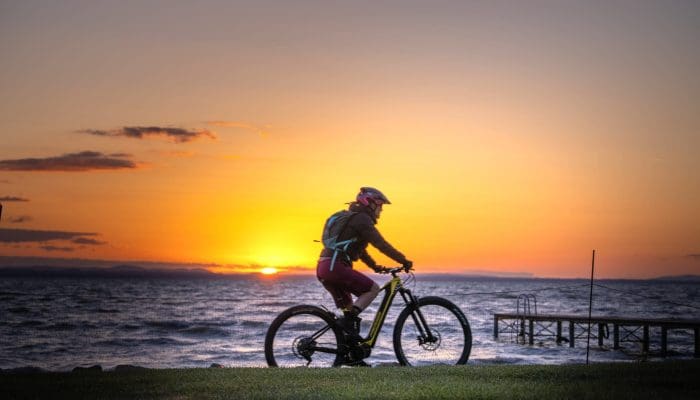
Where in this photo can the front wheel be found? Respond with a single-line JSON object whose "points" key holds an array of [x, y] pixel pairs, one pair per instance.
{"points": [[303, 336], [433, 332]]}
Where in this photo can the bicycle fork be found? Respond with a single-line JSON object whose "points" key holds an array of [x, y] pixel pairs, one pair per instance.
{"points": [[424, 333]]}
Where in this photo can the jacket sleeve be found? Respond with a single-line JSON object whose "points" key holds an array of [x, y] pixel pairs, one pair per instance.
{"points": [[367, 259], [370, 233]]}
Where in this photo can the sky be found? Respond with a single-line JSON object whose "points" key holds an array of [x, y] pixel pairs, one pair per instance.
{"points": [[510, 137]]}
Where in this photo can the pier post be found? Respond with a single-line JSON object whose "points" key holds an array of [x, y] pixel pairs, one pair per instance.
{"points": [[664, 340], [645, 340], [531, 329], [616, 336], [495, 326], [600, 335], [558, 331], [571, 333]]}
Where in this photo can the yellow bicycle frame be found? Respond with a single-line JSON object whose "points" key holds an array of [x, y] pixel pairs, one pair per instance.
{"points": [[391, 289]]}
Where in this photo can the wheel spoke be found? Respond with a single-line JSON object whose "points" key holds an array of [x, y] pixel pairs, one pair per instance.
{"points": [[301, 337], [446, 338]]}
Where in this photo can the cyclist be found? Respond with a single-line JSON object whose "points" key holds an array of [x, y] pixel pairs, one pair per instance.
{"points": [[354, 229]]}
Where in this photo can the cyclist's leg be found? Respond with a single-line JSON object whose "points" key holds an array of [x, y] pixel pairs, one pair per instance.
{"points": [[356, 283], [366, 298], [349, 322], [341, 297], [366, 290], [333, 283], [342, 281], [344, 278]]}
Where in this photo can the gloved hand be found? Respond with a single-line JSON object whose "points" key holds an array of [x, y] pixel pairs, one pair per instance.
{"points": [[380, 269], [407, 265]]}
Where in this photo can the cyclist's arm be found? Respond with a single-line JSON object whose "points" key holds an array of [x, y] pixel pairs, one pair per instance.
{"points": [[367, 259], [372, 235]]}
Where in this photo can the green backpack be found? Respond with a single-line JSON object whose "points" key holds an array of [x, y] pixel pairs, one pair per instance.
{"points": [[334, 227]]}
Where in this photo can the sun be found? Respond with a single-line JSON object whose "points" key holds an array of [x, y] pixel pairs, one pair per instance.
{"points": [[268, 271]]}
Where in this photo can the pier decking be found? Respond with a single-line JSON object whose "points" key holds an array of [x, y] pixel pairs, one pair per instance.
{"points": [[624, 329]]}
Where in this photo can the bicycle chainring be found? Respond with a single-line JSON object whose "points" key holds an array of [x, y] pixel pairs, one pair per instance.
{"points": [[361, 351]]}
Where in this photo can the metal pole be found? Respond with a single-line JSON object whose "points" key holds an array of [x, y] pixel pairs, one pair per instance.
{"points": [[590, 308], [495, 326]]}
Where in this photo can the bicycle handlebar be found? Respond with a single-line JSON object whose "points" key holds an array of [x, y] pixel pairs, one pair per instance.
{"points": [[393, 271]]}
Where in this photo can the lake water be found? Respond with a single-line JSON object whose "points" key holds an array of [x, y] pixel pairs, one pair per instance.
{"points": [[60, 323]]}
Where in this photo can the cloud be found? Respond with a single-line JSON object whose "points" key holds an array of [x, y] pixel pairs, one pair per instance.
{"points": [[695, 257], [28, 235], [84, 240], [72, 162], [13, 198], [179, 154], [241, 125], [178, 135], [56, 248], [20, 219], [4, 181]]}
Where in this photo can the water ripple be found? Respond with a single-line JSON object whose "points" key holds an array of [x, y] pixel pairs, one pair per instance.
{"points": [[58, 324]]}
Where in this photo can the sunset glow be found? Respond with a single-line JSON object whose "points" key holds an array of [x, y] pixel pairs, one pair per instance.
{"points": [[268, 271], [510, 138]]}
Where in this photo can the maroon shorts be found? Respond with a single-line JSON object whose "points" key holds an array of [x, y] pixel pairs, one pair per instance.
{"points": [[342, 281]]}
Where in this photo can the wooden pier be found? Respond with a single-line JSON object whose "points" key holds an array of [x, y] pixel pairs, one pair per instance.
{"points": [[624, 329]]}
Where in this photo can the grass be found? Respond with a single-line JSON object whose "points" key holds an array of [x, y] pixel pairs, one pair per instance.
{"points": [[658, 380]]}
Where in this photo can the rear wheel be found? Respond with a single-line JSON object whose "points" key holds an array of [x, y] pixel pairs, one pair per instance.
{"points": [[303, 336], [434, 332]]}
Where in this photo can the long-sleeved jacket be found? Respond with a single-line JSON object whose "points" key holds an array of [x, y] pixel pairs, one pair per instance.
{"points": [[362, 226]]}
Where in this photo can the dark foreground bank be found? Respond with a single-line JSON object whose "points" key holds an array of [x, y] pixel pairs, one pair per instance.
{"points": [[676, 380]]}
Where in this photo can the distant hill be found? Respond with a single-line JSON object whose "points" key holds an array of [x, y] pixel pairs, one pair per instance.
{"points": [[481, 276], [117, 271], [680, 278], [76, 268]]}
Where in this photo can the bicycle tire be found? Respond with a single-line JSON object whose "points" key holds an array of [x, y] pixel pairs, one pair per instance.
{"points": [[289, 338], [447, 323]]}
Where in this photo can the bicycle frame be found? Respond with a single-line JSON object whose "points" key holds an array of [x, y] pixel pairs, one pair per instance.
{"points": [[391, 288], [351, 350]]}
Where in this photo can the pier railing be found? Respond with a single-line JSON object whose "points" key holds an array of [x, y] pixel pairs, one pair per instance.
{"points": [[624, 329]]}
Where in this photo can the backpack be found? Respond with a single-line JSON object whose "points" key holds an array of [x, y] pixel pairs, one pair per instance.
{"points": [[334, 227]]}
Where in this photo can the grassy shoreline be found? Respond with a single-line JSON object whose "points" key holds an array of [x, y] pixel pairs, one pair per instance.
{"points": [[672, 379]]}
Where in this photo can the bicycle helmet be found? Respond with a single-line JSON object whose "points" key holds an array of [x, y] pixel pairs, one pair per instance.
{"points": [[368, 194]]}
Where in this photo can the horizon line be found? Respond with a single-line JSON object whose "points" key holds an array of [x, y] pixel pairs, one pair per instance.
{"points": [[14, 262]]}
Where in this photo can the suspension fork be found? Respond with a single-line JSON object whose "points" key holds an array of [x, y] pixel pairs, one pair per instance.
{"points": [[423, 329]]}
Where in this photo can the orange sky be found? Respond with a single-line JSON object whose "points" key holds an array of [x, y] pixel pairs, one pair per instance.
{"points": [[508, 139]]}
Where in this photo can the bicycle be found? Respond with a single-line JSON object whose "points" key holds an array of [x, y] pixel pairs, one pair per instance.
{"points": [[429, 330]]}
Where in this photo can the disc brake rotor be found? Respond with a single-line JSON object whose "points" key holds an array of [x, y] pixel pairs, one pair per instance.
{"points": [[433, 344]]}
